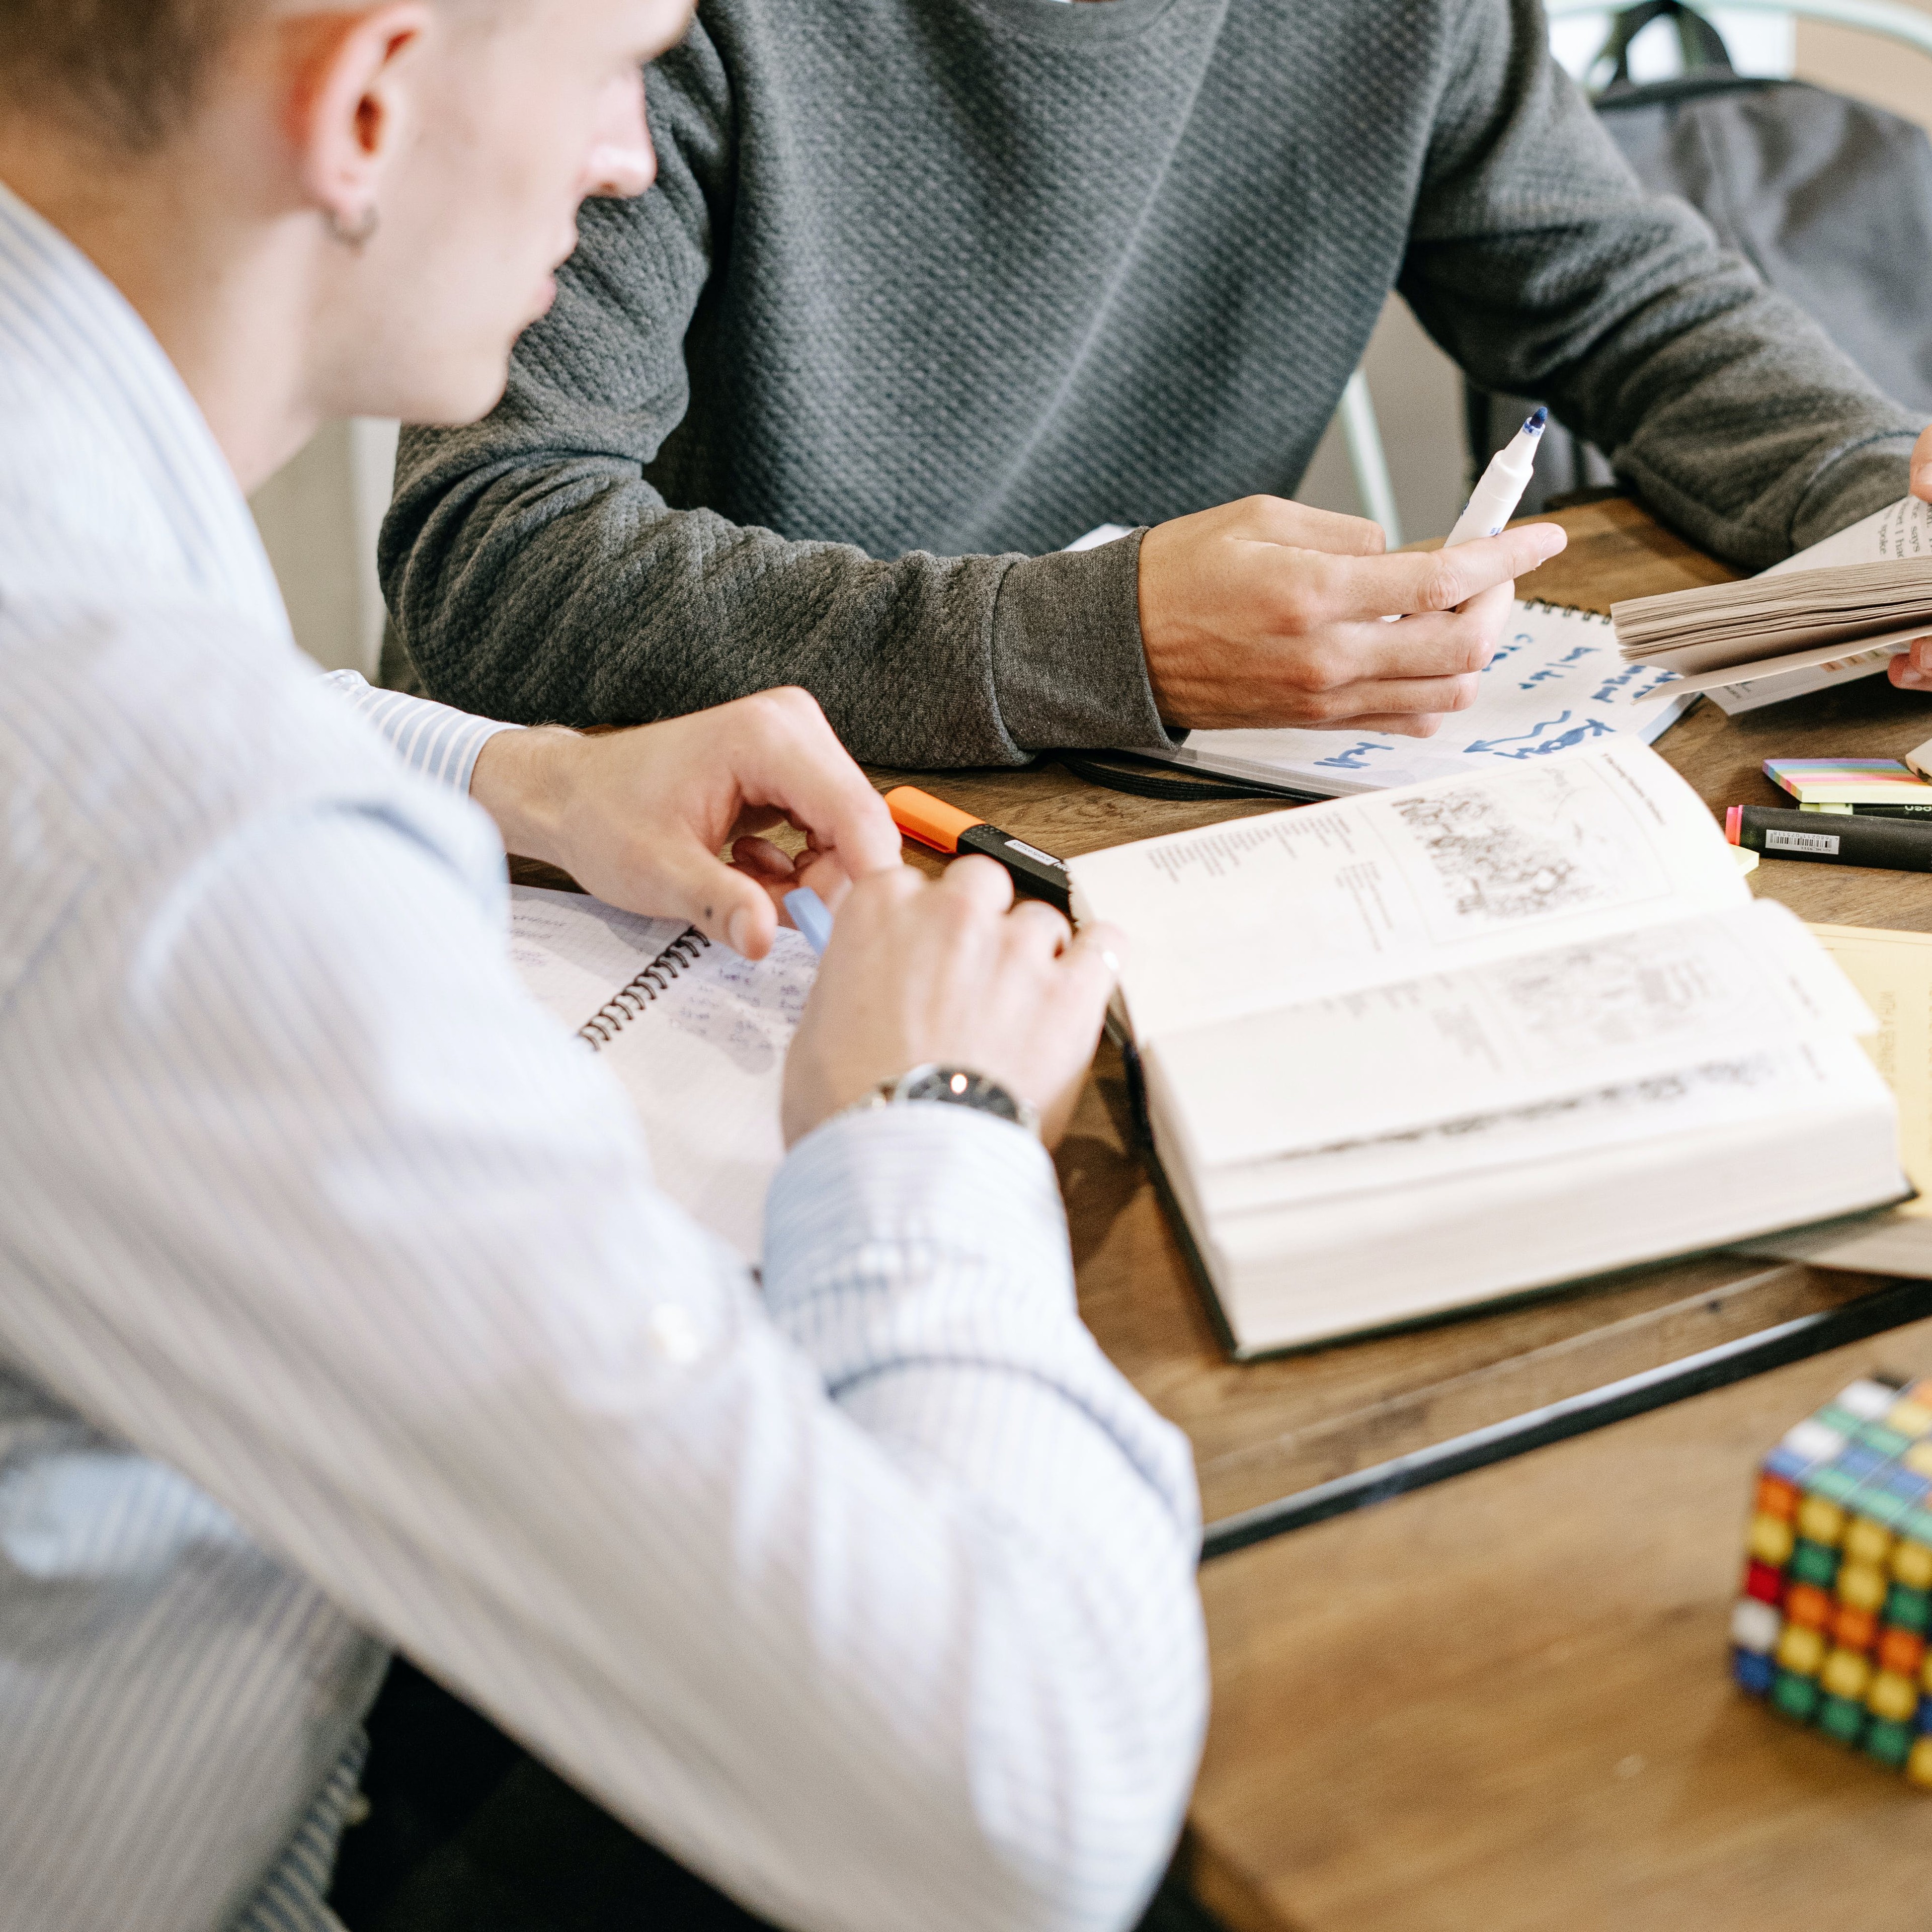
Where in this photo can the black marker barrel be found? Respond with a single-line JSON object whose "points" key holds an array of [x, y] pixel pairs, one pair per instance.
{"points": [[1897, 844], [1032, 871]]}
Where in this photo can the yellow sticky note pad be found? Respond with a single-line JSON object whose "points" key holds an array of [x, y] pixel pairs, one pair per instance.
{"points": [[1893, 971]]}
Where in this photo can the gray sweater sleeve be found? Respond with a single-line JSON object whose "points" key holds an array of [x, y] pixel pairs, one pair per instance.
{"points": [[1536, 261], [538, 571], [537, 574]]}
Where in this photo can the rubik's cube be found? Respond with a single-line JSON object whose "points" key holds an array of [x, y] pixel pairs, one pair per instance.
{"points": [[1831, 1627]]}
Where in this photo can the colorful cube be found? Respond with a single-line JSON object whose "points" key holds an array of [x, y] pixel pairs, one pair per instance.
{"points": [[1831, 1623]]}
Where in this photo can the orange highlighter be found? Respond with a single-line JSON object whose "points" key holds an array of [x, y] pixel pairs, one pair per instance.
{"points": [[931, 821]]}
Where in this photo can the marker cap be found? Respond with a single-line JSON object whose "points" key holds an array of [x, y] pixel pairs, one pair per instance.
{"points": [[1734, 819], [931, 820], [812, 915]]}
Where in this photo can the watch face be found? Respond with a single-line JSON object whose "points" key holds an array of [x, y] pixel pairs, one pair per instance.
{"points": [[962, 1088]]}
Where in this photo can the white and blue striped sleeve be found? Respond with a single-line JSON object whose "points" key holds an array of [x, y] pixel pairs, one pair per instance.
{"points": [[874, 1601], [434, 740]]}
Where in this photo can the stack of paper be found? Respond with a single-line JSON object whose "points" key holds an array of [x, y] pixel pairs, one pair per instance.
{"points": [[1848, 781], [1719, 632]]}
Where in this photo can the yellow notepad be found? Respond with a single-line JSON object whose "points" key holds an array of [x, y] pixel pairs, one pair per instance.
{"points": [[1893, 972]]}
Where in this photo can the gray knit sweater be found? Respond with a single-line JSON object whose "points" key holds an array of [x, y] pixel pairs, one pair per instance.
{"points": [[927, 288]]}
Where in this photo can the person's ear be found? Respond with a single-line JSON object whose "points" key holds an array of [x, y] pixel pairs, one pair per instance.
{"points": [[350, 110]]}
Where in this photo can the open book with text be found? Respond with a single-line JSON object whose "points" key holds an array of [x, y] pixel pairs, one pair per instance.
{"points": [[1410, 1052]]}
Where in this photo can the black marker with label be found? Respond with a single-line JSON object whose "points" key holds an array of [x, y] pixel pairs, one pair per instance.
{"points": [[1924, 812], [1897, 844]]}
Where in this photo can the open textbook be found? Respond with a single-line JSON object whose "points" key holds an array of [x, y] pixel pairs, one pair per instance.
{"points": [[696, 1035], [1841, 609], [1556, 681], [1407, 1052]]}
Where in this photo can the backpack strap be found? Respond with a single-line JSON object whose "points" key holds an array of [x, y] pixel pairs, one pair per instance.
{"points": [[1703, 46]]}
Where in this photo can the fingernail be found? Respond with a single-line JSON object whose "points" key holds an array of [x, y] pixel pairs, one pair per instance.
{"points": [[1912, 680], [1921, 480], [1112, 959], [738, 929]]}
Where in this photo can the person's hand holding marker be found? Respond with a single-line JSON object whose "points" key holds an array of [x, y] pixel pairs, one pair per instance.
{"points": [[639, 816], [1268, 613], [1911, 669]]}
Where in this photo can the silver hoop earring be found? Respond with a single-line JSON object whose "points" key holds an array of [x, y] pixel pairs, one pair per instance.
{"points": [[364, 229]]}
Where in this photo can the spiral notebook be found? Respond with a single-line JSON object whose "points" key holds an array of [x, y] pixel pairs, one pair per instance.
{"points": [[696, 1035], [1557, 681]]}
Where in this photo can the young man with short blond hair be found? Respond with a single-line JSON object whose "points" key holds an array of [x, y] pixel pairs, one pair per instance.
{"points": [[338, 1310]]}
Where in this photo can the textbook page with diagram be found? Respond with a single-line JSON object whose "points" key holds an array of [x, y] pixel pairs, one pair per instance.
{"points": [[1556, 681], [696, 1035], [1411, 1052]]}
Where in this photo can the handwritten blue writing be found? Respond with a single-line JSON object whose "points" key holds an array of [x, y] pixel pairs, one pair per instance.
{"points": [[1355, 757]]}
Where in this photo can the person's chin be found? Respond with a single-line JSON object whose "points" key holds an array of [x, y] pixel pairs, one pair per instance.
{"points": [[465, 397]]}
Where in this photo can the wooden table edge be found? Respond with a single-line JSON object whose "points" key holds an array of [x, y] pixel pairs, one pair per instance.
{"points": [[1893, 1302]]}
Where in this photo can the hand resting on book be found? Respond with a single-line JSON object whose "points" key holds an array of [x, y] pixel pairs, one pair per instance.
{"points": [[1912, 670], [638, 816]]}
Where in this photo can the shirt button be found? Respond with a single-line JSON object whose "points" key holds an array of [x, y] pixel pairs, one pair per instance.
{"points": [[674, 1333]]}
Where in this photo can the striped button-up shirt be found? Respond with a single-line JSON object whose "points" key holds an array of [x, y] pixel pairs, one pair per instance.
{"points": [[338, 1311]]}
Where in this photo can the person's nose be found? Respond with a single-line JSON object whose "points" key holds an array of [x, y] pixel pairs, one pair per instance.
{"points": [[621, 162]]}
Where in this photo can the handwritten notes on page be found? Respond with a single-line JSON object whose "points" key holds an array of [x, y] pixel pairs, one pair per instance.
{"points": [[698, 1036], [574, 952], [1555, 682]]}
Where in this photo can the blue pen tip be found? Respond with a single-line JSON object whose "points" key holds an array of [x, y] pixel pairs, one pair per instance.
{"points": [[1536, 421]]}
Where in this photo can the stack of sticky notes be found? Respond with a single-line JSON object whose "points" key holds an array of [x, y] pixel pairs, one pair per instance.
{"points": [[1851, 785], [1831, 1627]]}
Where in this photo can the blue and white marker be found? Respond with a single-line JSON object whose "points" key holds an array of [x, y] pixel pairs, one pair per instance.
{"points": [[810, 914], [1493, 501]]}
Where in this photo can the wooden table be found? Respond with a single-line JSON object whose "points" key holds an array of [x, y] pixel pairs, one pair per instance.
{"points": [[1281, 1443], [1504, 1705]]}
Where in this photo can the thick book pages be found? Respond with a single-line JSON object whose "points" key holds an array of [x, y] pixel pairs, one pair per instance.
{"points": [[1843, 606], [696, 1035], [1555, 682], [1406, 1052]]}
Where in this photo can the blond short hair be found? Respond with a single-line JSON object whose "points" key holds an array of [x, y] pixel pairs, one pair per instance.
{"points": [[128, 72]]}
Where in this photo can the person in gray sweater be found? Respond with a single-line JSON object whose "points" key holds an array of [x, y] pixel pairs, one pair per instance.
{"points": [[928, 288]]}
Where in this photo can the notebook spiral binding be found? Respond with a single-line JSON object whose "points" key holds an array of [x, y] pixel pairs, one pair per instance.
{"points": [[610, 1020], [1564, 610]]}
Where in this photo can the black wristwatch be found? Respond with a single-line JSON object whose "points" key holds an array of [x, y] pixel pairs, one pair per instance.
{"points": [[952, 1087]]}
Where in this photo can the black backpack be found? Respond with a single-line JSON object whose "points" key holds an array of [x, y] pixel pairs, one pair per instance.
{"points": [[1829, 198]]}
